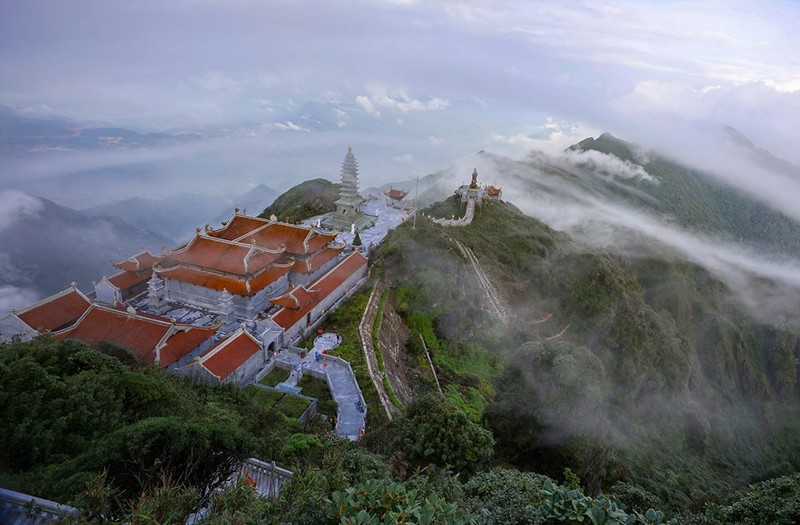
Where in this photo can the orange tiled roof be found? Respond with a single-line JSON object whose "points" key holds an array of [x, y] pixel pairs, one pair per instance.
{"points": [[395, 193], [107, 324], [235, 284], [296, 298], [125, 280], [184, 342], [56, 311], [229, 354], [313, 263], [297, 239], [224, 256], [236, 227], [493, 192], [310, 296], [141, 261], [142, 335]]}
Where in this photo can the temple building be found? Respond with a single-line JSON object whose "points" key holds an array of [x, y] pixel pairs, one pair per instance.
{"points": [[234, 359], [302, 306], [477, 193], [395, 196], [53, 313], [348, 214], [130, 282], [236, 269], [153, 339]]}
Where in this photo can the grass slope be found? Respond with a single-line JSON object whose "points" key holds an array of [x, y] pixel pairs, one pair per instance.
{"points": [[307, 199], [656, 356]]}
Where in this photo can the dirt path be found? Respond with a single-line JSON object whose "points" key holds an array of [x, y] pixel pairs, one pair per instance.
{"points": [[365, 332], [490, 292]]}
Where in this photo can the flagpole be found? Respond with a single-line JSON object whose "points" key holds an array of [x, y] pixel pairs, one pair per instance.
{"points": [[416, 196]]}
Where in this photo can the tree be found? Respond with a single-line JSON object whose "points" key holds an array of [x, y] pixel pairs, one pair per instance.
{"points": [[433, 431]]}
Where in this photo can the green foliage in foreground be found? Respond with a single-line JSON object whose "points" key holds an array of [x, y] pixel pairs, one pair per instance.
{"points": [[76, 418], [145, 447]]}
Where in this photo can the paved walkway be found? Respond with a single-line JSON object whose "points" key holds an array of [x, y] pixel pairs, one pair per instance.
{"points": [[466, 220], [342, 383]]}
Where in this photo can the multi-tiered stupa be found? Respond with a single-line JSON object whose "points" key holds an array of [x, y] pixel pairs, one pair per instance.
{"points": [[348, 214]]}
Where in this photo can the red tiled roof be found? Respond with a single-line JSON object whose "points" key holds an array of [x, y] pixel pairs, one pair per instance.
{"points": [[138, 333], [141, 261], [56, 311], [297, 239], [184, 342], [494, 192], [223, 256], [125, 280], [228, 355], [298, 297], [239, 225], [319, 290], [395, 193], [235, 284], [133, 332], [313, 263]]}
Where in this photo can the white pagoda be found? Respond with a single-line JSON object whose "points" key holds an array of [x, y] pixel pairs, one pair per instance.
{"points": [[348, 214]]}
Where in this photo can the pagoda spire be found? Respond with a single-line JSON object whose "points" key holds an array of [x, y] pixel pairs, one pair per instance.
{"points": [[349, 198]]}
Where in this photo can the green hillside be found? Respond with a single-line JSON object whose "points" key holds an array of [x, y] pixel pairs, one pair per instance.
{"points": [[307, 199], [701, 202], [656, 356]]}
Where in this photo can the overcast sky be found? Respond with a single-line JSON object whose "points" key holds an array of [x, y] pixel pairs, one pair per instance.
{"points": [[441, 78]]}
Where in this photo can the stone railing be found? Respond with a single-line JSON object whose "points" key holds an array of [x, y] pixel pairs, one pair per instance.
{"points": [[17, 507], [266, 478]]}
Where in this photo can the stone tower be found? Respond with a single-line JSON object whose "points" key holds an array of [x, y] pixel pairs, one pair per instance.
{"points": [[349, 202], [348, 214]]}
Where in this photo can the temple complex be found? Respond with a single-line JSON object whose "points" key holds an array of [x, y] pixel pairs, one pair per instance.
{"points": [[236, 269], [220, 306], [471, 195], [348, 214]]}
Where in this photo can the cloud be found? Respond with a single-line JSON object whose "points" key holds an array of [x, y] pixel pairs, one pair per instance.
{"points": [[405, 158], [553, 136], [15, 297], [341, 117], [767, 286], [15, 205], [607, 165], [290, 126], [369, 107], [217, 81], [398, 100]]}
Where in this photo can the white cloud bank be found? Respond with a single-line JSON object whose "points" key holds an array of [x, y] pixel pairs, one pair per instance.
{"points": [[397, 100], [15, 205]]}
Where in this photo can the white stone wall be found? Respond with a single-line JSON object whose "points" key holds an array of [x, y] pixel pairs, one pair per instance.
{"points": [[324, 306], [196, 372], [107, 292], [11, 326], [247, 370], [206, 298], [300, 279]]}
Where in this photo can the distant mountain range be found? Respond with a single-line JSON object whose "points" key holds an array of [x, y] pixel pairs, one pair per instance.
{"points": [[46, 250], [43, 251], [22, 132], [178, 216]]}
